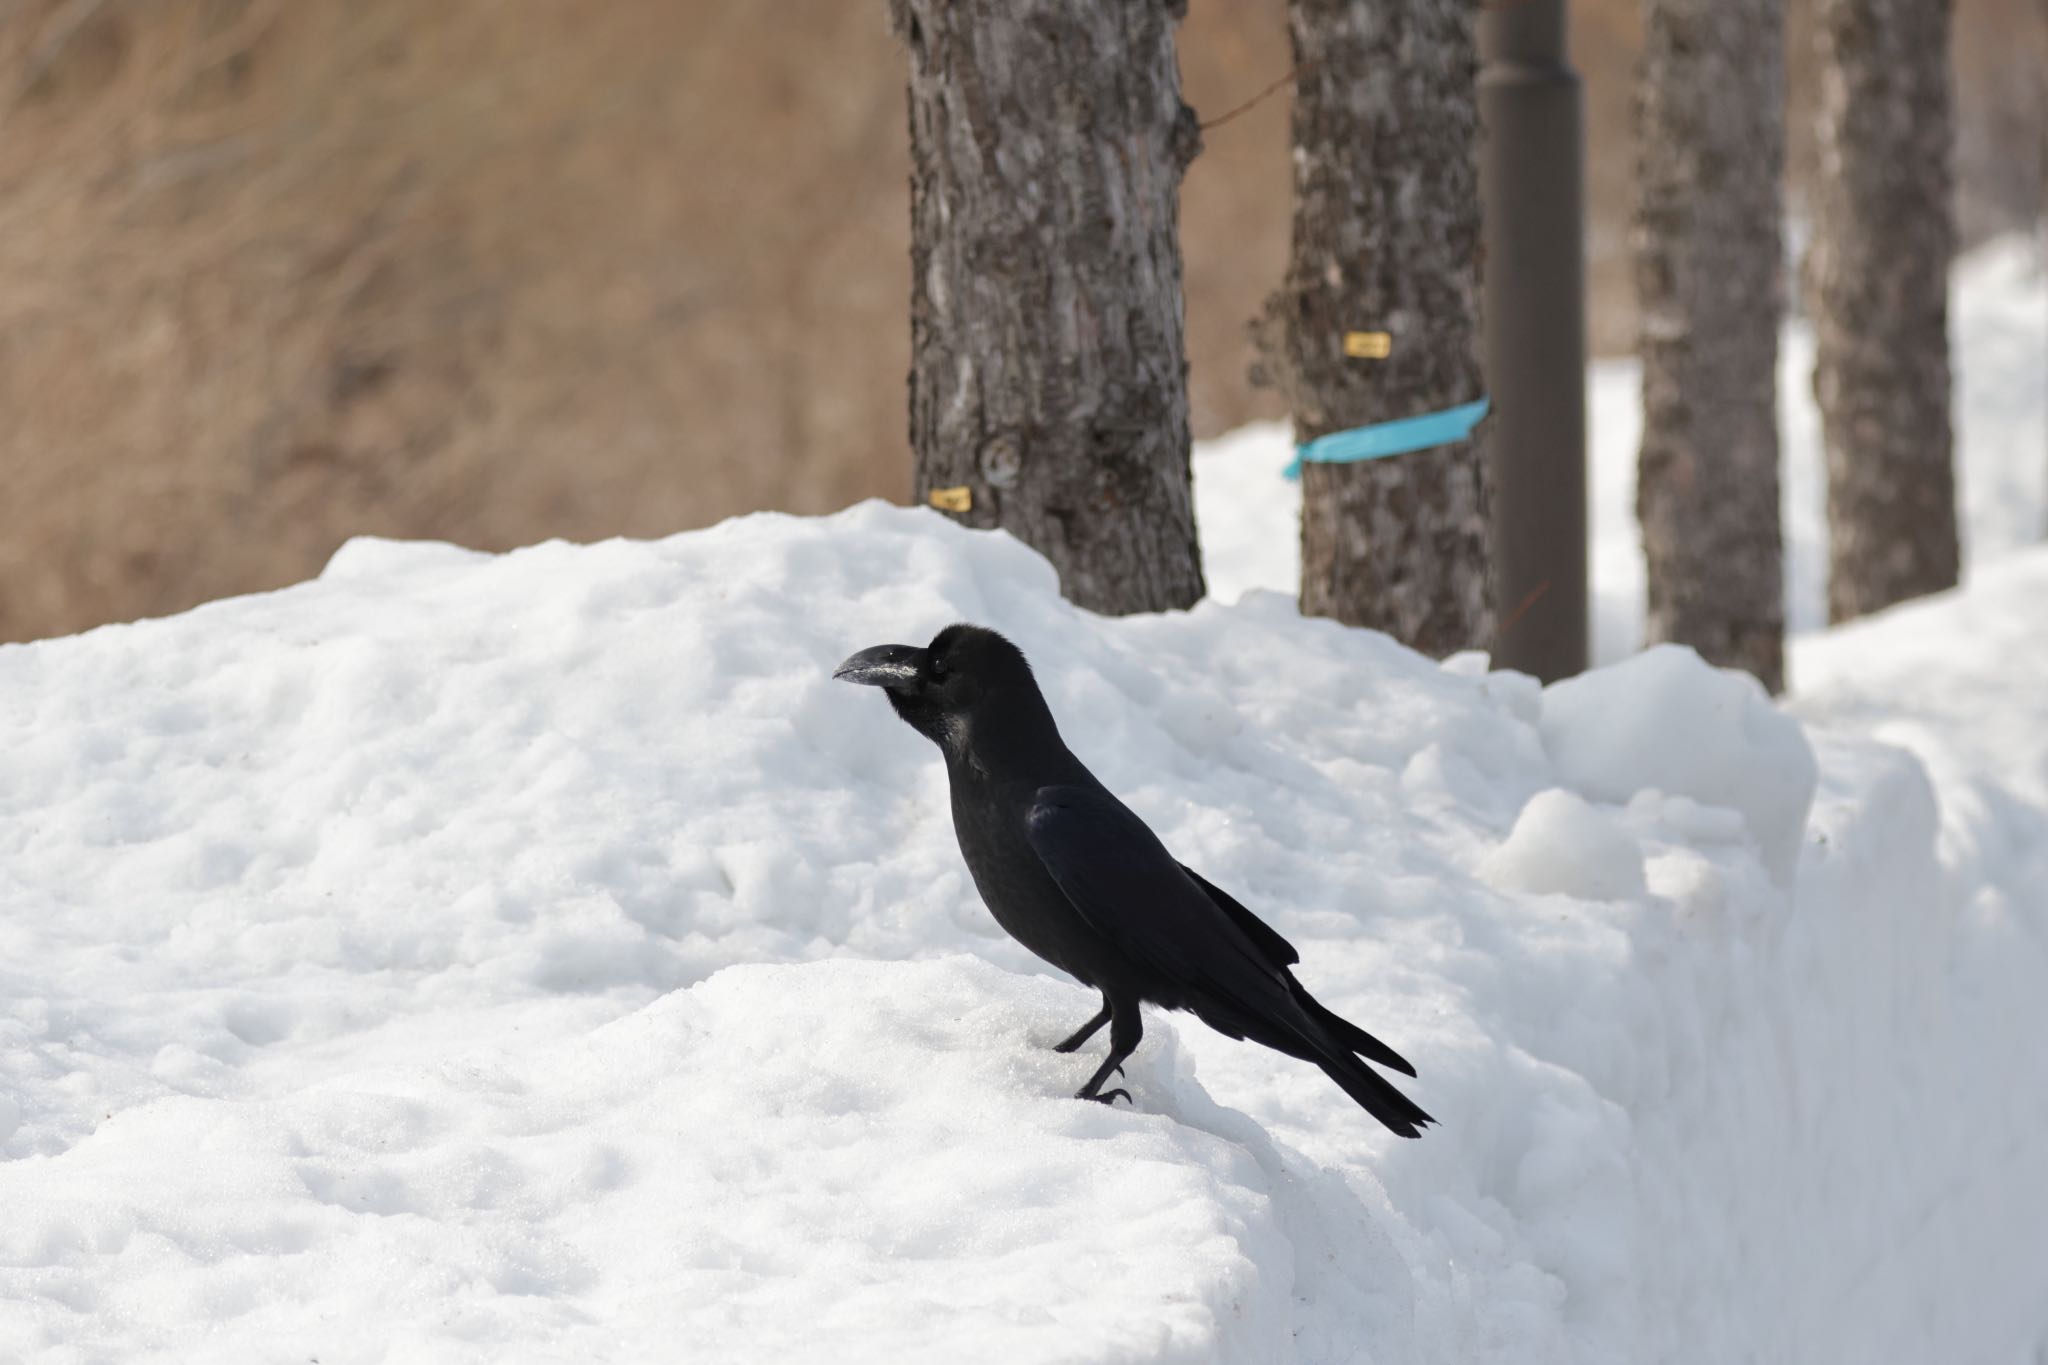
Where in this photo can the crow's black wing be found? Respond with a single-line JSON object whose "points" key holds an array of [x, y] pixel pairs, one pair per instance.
{"points": [[1276, 949], [1131, 891]]}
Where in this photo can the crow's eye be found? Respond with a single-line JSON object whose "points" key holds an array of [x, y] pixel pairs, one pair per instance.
{"points": [[937, 668]]}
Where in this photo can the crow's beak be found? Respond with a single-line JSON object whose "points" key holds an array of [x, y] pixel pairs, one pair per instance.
{"points": [[883, 666]]}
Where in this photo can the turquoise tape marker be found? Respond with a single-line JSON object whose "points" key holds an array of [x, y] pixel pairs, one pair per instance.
{"points": [[1382, 439]]}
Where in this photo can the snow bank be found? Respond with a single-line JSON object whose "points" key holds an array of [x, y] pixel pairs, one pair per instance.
{"points": [[538, 957], [1953, 690], [1664, 723], [405, 900]]}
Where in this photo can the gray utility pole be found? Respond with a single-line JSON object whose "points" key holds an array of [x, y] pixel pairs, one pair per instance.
{"points": [[1532, 185]]}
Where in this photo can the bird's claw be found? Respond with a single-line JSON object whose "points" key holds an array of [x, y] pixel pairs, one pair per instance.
{"points": [[1109, 1097]]}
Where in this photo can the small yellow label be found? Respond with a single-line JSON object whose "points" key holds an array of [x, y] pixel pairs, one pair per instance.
{"points": [[1368, 345], [960, 499]]}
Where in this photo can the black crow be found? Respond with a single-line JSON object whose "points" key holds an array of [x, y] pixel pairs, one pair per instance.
{"points": [[1069, 872]]}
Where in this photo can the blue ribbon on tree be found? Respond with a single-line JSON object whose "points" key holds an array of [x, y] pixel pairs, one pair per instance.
{"points": [[1381, 439]]}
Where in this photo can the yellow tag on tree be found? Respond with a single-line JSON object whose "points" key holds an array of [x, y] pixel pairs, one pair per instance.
{"points": [[960, 499], [1368, 345]]}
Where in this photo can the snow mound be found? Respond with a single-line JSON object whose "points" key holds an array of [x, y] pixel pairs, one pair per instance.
{"points": [[539, 957], [1562, 846], [1665, 721]]}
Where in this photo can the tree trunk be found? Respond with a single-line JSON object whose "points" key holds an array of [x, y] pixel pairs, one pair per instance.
{"points": [[1711, 139], [1877, 278], [1386, 239], [1048, 378]]}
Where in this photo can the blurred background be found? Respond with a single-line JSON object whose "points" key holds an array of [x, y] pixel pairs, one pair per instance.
{"points": [[276, 273]]}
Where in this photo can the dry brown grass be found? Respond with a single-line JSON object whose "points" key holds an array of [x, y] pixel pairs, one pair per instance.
{"points": [[276, 272]]}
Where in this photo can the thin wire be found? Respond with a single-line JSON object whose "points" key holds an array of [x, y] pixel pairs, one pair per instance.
{"points": [[1520, 611], [1299, 71], [1488, 6]]}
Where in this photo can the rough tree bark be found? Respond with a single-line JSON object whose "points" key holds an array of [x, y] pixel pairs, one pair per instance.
{"points": [[1709, 211], [1386, 239], [1048, 375], [1877, 282]]}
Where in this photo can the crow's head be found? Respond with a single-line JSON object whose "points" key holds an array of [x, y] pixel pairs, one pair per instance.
{"points": [[951, 687]]}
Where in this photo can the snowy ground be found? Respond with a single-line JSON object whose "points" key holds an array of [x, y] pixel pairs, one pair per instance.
{"points": [[537, 957]]}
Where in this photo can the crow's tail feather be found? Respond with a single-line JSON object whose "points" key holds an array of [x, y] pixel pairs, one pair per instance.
{"points": [[1318, 1036], [1347, 1033], [1377, 1096]]}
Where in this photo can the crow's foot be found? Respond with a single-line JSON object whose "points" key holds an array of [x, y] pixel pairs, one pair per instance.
{"points": [[1085, 1032]]}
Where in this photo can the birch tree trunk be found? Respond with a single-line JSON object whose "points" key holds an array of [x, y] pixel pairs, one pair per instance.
{"points": [[1048, 379], [1386, 239], [1877, 280], [1711, 139]]}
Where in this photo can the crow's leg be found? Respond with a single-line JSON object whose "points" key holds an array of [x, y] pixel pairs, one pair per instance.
{"points": [[1126, 1027], [1087, 1030]]}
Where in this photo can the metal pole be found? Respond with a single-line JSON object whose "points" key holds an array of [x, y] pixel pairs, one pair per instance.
{"points": [[1532, 188]]}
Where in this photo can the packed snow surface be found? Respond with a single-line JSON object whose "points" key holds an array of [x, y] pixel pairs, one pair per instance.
{"points": [[538, 957]]}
